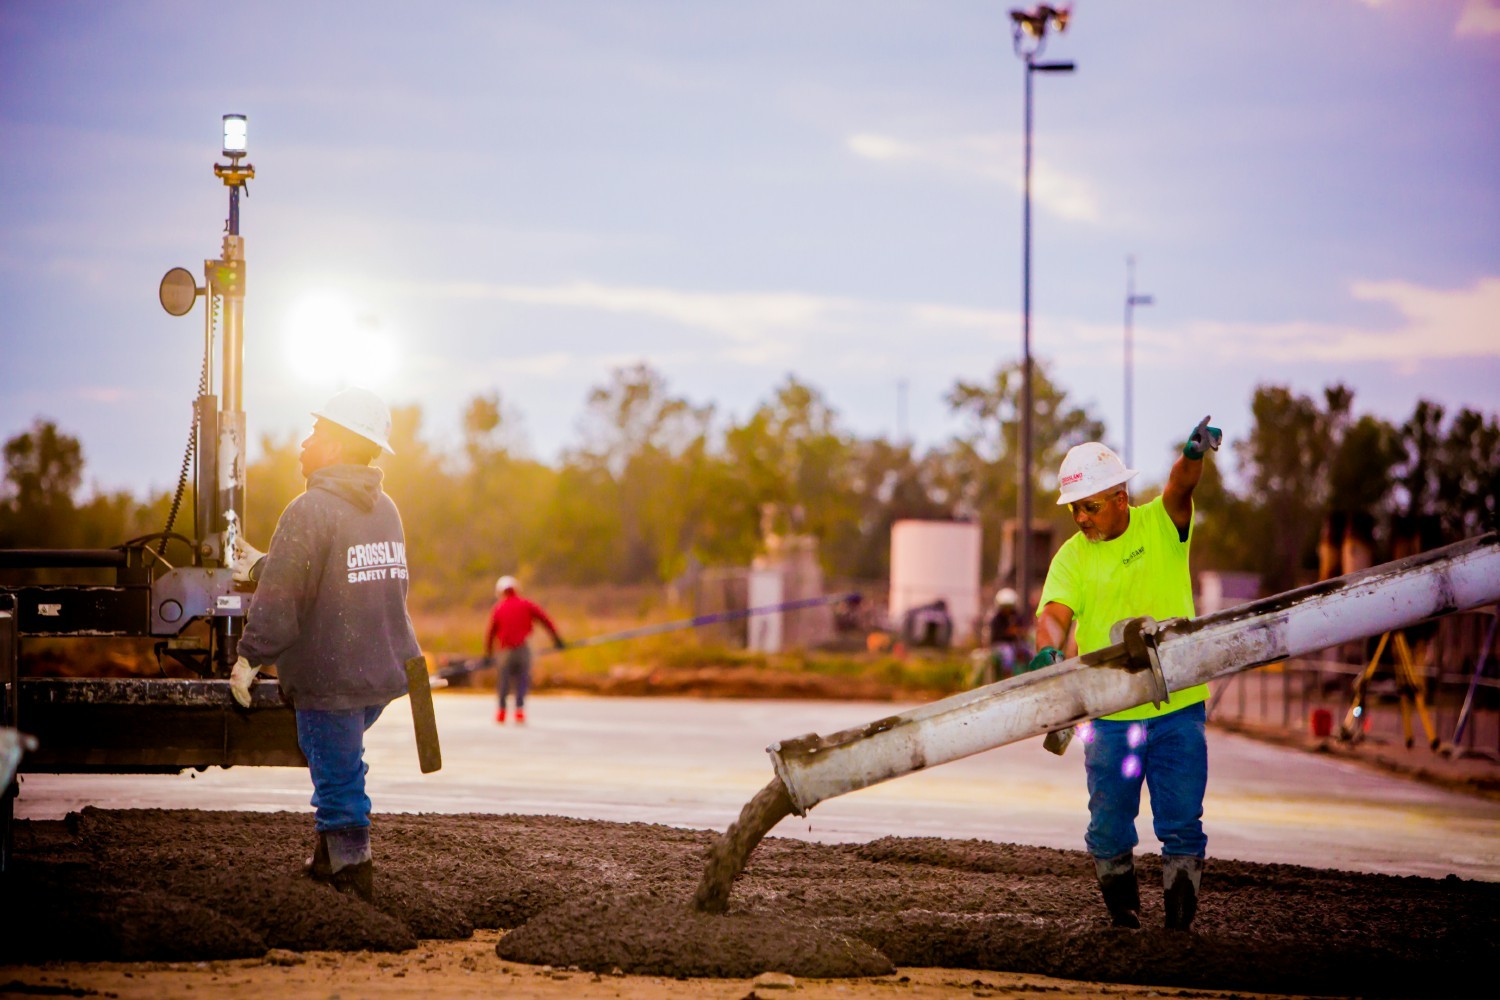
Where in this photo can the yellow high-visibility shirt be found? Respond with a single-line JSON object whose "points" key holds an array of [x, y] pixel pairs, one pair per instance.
{"points": [[1143, 572]]}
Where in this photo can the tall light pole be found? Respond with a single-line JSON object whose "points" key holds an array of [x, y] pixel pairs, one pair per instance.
{"points": [[1029, 34], [1131, 301]]}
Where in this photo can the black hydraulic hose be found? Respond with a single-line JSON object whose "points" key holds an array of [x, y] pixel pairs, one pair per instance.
{"points": [[144, 542], [187, 462], [166, 536]]}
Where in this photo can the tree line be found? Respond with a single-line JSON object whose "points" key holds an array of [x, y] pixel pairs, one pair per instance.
{"points": [[657, 484]]}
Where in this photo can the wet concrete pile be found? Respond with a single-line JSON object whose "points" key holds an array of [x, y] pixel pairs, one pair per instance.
{"points": [[186, 885]]}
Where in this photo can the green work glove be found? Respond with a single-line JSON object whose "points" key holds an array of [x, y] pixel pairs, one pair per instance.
{"points": [[1203, 440], [1045, 657]]}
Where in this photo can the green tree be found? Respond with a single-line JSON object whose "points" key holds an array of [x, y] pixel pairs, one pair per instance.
{"points": [[43, 469], [1469, 477], [1450, 476], [1283, 461], [1421, 439], [505, 499], [40, 508], [981, 473], [887, 482], [1301, 462], [791, 456], [1361, 473], [639, 485]]}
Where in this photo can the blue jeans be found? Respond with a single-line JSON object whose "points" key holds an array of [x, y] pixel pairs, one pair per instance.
{"points": [[334, 745], [515, 669], [1170, 754]]}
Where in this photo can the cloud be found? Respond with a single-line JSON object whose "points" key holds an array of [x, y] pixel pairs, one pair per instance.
{"points": [[990, 158], [775, 331], [1433, 325], [744, 318], [550, 364], [1440, 322], [881, 147], [1476, 19], [104, 393], [1479, 18], [769, 330]]}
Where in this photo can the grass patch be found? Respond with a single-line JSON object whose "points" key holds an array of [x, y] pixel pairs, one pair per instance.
{"points": [[681, 653]]}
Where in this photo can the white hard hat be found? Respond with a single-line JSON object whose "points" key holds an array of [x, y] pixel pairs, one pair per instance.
{"points": [[1088, 469], [1005, 597], [505, 583], [361, 411]]}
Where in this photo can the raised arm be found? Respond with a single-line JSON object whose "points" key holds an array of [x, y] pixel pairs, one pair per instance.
{"points": [[1177, 498]]}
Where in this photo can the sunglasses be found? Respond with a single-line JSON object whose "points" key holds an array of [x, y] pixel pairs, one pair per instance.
{"points": [[1091, 507]]}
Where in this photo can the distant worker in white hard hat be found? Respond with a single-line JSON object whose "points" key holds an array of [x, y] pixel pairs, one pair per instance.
{"points": [[1125, 562], [510, 624], [1007, 647], [330, 613]]}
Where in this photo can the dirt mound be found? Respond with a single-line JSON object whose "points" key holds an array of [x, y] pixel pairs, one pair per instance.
{"points": [[182, 884], [648, 935]]}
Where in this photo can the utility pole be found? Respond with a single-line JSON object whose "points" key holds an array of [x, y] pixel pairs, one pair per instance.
{"points": [[1029, 37], [1131, 301], [901, 411]]}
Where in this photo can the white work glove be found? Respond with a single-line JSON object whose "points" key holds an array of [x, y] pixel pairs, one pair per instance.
{"points": [[240, 679], [244, 560]]}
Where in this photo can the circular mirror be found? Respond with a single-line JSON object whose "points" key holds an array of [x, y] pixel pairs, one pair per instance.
{"points": [[178, 291]]}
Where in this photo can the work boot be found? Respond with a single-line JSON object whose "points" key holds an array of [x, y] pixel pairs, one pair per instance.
{"points": [[1122, 894], [357, 880], [353, 872], [1181, 874], [318, 867], [500, 716], [520, 716]]}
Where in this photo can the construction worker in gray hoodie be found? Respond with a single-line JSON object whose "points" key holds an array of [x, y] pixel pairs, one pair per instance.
{"points": [[330, 613]]}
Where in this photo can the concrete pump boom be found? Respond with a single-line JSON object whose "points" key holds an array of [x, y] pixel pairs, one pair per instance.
{"points": [[1154, 659]]}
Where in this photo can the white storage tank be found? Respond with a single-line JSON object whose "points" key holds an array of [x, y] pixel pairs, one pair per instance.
{"points": [[936, 559]]}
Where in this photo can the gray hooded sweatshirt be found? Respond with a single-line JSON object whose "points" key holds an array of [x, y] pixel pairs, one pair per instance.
{"points": [[330, 605]]}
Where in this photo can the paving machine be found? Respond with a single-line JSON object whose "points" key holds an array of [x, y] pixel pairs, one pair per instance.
{"points": [[195, 608]]}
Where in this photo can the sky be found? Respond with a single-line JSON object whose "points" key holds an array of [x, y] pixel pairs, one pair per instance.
{"points": [[520, 197]]}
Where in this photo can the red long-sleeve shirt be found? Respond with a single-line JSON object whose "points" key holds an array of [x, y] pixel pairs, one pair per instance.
{"points": [[510, 623]]}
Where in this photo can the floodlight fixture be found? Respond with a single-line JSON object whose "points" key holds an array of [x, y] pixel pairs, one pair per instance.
{"points": [[234, 135], [236, 175], [1030, 26]]}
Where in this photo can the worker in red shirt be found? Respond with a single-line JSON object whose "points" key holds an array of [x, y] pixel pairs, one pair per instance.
{"points": [[510, 624]]}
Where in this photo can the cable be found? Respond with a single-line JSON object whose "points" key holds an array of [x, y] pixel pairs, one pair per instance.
{"points": [[192, 444], [141, 541]]}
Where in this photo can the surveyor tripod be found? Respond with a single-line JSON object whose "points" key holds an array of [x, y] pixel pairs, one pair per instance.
{"points": [[1409, 685]]}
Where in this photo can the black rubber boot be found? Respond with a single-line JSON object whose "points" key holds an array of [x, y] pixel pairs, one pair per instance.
{"points": [[1181, 876], [1122, 893], [357, 880], [318, 867], [353, 872]]}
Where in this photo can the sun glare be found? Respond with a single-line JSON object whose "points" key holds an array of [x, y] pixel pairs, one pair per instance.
{"points": [[329, 341]]}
